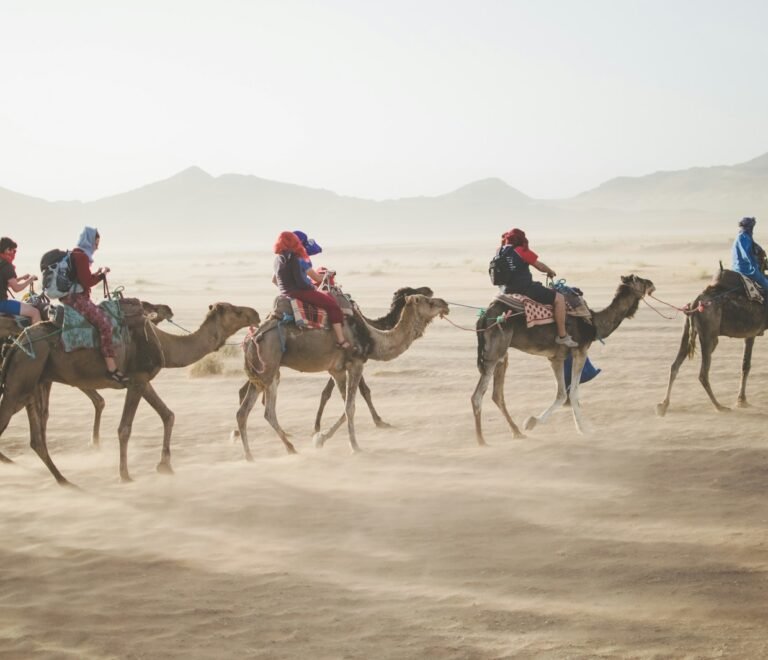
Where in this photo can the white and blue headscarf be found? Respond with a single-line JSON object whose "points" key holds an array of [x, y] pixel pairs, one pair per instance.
{"points": [[87, 241]]}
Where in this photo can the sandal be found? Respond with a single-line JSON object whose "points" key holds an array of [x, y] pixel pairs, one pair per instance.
{"points": [[118, 376]]}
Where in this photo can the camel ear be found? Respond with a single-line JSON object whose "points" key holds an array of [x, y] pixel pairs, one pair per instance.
{"points": [[626, 279]]}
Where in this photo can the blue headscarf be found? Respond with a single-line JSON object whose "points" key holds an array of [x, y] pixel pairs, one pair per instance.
{"points": [[747, 225], [309, 244], [87, 241]]}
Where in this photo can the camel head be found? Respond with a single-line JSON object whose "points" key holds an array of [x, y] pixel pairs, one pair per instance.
{"points": [[408, 291], [639, 286], [231, 318], [157, 313], [427, 307]]}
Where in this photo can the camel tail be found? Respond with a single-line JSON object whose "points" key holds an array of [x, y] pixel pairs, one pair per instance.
{"points": [[690, 331]]}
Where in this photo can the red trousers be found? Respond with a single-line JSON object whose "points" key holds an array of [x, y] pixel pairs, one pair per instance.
{"points": [[83, 304], [320, 299]]}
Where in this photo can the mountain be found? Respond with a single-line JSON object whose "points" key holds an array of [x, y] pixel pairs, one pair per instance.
{"points": [[193, 208]]}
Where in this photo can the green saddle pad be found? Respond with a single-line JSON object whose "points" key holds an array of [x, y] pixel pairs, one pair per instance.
{"points": [[76, 332]]}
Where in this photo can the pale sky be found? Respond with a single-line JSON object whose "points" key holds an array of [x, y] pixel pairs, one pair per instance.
{"points": [[376, 99]]}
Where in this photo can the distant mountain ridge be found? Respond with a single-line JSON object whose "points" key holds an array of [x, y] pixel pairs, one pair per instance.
{"points": [[193, 207]]}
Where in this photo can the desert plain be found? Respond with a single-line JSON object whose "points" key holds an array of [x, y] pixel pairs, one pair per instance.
{"points": [[645, 538]]}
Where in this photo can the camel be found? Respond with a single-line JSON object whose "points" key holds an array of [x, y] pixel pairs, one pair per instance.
{"points": [[155, 313], [315, 351], [27, 380], [721, 310], [493, 340], [386, 322]]}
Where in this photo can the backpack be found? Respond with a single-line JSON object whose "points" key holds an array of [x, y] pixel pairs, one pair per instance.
{"points": [[498, 269], [58, 273]]}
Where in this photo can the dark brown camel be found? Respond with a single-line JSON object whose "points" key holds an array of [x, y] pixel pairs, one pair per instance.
{"points": [[721, 310], [494, 339], [27, 378]]}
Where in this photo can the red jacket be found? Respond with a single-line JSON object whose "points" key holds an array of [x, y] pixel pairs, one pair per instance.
{"points": [[83, 275]]}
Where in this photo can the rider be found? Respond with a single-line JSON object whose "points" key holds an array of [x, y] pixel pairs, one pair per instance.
{"points": [[9, 280], [744, 255], [514, 248], [79, 298], [296, 278]]}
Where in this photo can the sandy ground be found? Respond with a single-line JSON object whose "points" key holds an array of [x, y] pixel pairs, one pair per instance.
{"points": [[645, 539]]}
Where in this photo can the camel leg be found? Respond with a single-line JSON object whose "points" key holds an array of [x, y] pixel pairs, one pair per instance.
{"points": [[354, 374], [560, 396], [246, 405], [166, 414], [498, 396], [270, 414], [661, 408], [708, 346], [477, 399], [366, 392], [746, 365], [37, 440], [98, 407], [320, 437], [579, 358], [132, 398], [325, 395]]}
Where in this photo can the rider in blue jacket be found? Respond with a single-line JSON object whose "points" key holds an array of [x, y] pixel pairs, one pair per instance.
{"points": [[744, 254]]}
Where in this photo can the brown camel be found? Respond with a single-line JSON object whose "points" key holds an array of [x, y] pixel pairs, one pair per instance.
{"points": [[315, 351], [721, 310], [493, 340], [155, 313], [26, 380], [386, 322]]}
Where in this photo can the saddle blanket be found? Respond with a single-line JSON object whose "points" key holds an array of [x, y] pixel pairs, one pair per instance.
{"points": [[308, 316], [752, 289], [537, 313], [76, 332]]}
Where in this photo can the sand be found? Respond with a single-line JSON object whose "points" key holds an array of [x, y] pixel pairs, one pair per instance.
{"points": [[646, 538]]}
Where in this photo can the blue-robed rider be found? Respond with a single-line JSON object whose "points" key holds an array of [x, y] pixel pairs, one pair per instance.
{"points": [[745, 254]]}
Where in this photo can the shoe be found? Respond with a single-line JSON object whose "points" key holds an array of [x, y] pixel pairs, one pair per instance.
{"points": [[118, 376], [566, 341]]}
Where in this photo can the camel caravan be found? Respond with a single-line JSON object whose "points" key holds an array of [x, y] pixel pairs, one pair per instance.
{"points": [[61, 336]]}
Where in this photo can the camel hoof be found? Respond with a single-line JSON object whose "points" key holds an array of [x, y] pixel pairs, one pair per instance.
{"points": [[381, 424], [5, 459], [723, 409], [249, 457], [164, 468], [94, 443], [234, 436], [742, 403], [68, 484], [530, 423], [318, 440], [126, 478], [519, 436], [661, 409]]}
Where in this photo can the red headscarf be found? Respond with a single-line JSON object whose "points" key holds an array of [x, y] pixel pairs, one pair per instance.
{"points": [[515, 238], [287, 241]]}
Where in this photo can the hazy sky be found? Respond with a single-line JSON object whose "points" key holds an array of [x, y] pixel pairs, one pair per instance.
{"points": [[376, 99]]}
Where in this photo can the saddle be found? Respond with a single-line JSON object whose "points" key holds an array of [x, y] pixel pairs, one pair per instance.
{"points": [[124, 315], [738, 283], [537, 313], [307, 316]]}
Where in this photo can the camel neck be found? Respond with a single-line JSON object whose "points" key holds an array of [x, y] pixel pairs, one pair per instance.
{"points": [[624, 305], [183, 350], [389, 344]]}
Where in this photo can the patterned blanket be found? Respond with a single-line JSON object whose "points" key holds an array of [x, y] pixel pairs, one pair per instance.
{"points": [[538, 314], [76, 332], [308, 316]]}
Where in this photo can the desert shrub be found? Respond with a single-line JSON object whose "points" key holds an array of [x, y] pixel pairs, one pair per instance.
{"points": [[211, 365]]}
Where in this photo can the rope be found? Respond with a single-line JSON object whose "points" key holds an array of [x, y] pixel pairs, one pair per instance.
{"points": [[497, 321], [252, 337], [463, 305], [686, 310]]}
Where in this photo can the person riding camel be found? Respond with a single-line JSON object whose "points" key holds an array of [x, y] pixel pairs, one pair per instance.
{"points": [[746, 255], [79, 298], [295, 277], [519, 257], [9, 280]]}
